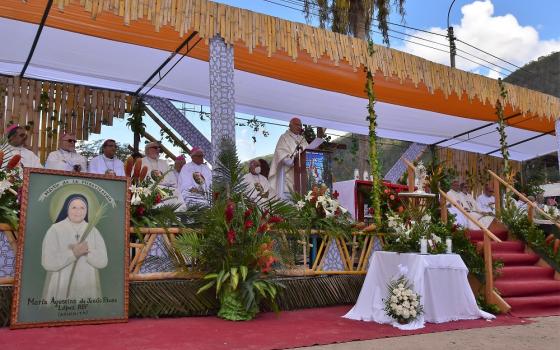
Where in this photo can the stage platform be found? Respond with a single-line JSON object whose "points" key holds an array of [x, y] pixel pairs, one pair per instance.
{"points": [[178, 298]]}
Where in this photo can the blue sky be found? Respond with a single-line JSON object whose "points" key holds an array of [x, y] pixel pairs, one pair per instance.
{"points": [[516, 31]]}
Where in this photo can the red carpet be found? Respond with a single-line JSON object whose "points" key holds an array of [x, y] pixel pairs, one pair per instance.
{"points": [[530, 290], [268, 331]]}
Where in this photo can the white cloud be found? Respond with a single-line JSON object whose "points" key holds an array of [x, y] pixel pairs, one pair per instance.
{"points": [[501, 36]]}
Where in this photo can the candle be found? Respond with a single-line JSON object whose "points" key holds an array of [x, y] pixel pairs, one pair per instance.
{"points": [[356, 174], [448, 245], [423, 246]]}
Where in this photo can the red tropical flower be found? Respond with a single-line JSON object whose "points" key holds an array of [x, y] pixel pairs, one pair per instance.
{"points": [[335, 194], [248, 224], [231, 236], [275, 219], [265, 263], [262, 228], [13, 162], [229, 212], [248, 212], [392, 197], [140, 210], [158, 198]]}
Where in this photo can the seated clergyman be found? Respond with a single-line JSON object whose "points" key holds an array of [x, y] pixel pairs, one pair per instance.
{"points": [[107, 163], [257, 185], [66, 158], [17, 138]]}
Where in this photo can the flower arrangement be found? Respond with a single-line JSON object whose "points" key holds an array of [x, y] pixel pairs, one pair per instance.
{"points": [[147, 197], [232, 241], [11, 181], [404, 233], [402, 304], [320, 210]]}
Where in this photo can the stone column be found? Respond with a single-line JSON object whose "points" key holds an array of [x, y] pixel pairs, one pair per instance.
{"points": [[557, 127], [222, 101]]}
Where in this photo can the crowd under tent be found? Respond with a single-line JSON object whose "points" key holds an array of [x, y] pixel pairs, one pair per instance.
{"points": [[281, 69]]}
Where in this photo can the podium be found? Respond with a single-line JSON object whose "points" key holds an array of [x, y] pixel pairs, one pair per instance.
{"points": [[312, 168]]}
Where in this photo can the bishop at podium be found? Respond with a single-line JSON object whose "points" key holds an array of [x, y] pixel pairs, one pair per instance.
{"points": [[281, 176]]}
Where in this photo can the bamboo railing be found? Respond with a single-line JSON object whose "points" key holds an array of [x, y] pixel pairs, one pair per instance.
{"points": [[531, 206]]}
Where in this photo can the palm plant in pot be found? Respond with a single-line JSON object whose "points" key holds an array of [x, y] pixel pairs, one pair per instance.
{"points": [[233, 241]]}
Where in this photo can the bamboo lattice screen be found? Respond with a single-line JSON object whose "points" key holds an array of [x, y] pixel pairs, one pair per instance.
{"points": [[48, 109], [243, 27], [471, 167]]}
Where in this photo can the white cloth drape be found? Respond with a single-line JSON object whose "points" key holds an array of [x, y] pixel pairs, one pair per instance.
{"points": [[440, 280]]}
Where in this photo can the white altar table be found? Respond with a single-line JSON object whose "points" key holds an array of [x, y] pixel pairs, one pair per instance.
{"points": [[440, 280]]}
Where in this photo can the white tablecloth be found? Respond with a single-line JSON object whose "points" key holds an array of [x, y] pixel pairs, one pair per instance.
{"points": [[440, 280]]}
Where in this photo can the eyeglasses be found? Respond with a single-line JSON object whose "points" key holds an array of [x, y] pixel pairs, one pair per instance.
{"points": [[154, 147], [22, 134], [71, 140]]}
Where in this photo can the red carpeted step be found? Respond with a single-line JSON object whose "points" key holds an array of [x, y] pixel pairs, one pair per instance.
{"points": [[512, 288], [515, 258], [525, 272], [505, 246], [478, 235], [534, 306]]}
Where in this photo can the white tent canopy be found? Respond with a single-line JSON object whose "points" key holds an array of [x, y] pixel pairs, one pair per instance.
{"points": [[80, 59]]}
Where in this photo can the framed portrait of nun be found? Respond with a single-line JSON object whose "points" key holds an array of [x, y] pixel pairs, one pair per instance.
{"points": [[72, 258]]}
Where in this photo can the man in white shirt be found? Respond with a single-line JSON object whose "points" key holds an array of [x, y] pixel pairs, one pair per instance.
{"points": [[107, 163], [66, 158], [156, 167], [258, 187], [195, 180], [17, 136], [173, 179], [455, 194], [281, 176], [486, 200]]}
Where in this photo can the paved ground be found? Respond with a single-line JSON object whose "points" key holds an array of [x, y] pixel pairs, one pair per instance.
{"points": [[542, 334]]}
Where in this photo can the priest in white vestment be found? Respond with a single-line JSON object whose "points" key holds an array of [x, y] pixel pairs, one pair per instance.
{"points": [[173, 180], [63, 247], [258, 187], [17, 137], [486, 200], [290, 144], [66, 158], [471, 206], [195, 180], [455, 194], [157, 167], [107, 162]]}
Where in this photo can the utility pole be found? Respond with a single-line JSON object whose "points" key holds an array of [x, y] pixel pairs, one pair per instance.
{"points": [[451, 37]]}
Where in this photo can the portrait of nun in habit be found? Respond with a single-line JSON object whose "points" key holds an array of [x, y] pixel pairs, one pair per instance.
{"points": [[63, 247]]}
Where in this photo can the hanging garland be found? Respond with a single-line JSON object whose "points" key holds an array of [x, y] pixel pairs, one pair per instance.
{"points": [[506, 171], [373, 157]]}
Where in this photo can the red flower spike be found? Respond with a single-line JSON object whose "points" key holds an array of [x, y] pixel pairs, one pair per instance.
{"points": [[229, 212], [275, 219], [262, 228], [137, 168], [265, 213], [143, 173], [248, 224], [128, 165], [335, 194], [14, 162], [158, 198], [231, 236], [248, 212]]}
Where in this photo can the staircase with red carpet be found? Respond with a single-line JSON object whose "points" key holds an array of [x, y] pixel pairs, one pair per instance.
{"points": [[529, 289]]}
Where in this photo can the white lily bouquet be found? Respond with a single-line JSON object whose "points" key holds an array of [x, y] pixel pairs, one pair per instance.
{"points": [[402, 304]]}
